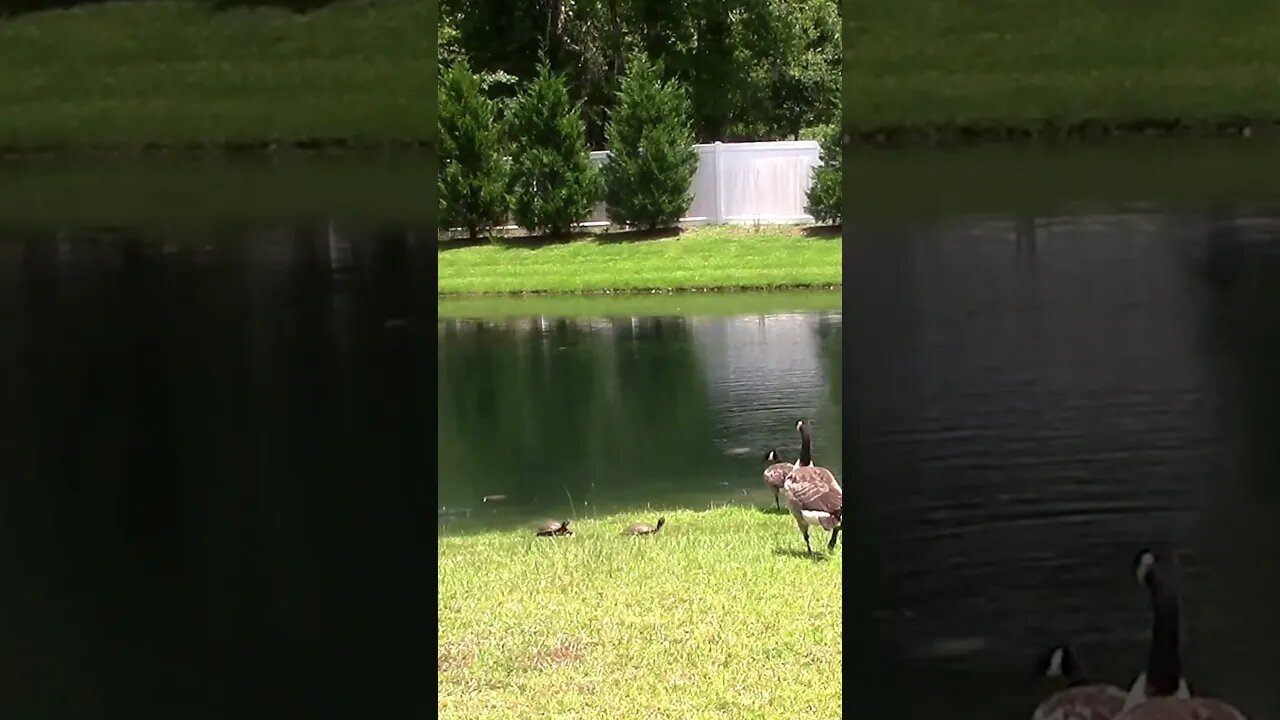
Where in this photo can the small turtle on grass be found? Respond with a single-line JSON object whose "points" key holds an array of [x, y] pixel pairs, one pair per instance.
{"points": [[555, 527], [644, 528]]}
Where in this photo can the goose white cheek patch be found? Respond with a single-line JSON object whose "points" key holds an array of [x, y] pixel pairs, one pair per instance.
{"points": [[1055, 664]]}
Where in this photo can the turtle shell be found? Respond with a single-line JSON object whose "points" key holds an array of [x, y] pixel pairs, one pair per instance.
{"points": [[555, 527]]}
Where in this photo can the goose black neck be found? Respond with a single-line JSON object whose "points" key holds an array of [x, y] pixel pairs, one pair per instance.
{"points": [[806, 447], [1164, 660]]}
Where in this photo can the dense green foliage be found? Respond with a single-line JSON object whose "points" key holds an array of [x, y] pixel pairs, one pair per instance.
{"points": [[647, 179], [555, 182], [755, 69], [825, 196], [473, 175]]}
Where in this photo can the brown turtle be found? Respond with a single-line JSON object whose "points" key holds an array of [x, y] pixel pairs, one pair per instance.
{"points": [[554, 527], [644, 528]]}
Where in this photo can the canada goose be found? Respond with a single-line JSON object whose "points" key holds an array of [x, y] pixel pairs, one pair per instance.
{"points": [[555, 527], [776, 474], [644, 528], [1163, 676], [814, 496], [1079, 699], [1161, 692]]}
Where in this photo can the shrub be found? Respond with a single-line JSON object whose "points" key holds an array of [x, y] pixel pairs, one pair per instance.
{"points": [[825, 196], [473, 176], [554, 182], [647, 179]]}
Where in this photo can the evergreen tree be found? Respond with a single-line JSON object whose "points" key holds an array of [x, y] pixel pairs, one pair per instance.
{"points": [[825, 196], [554, 181], [647, 179], [473, 176]]}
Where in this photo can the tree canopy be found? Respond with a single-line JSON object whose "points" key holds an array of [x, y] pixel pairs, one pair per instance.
{"points": [[754, 69]]}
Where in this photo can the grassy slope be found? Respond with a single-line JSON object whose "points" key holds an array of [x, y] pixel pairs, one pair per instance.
{"points": [[633, 304], [1050, 180], [149, 194], [704, 620], [177, 71], [702, 258], [919, 62]]}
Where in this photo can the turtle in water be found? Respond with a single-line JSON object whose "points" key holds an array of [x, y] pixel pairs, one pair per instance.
{"points": [[555, 527], [644, 528]]}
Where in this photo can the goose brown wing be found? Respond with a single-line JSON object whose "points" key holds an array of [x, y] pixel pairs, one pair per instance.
{"points": [[1168, 708], [1087, 702], [815, 488], [776, 474]]}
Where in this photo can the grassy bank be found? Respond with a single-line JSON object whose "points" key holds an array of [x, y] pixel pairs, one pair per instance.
{"points": [[155, 194], [135, 73], [718, 616], [710, 258], [704, 304], [928, 69], [920, 184]]}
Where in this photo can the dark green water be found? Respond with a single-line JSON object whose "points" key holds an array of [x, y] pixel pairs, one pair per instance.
{"points": [[569, 416], [213, 420], [1072, 355]]}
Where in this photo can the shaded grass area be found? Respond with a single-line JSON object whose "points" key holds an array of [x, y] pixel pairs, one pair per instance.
{"points": [[718, 257], [139, 72], [920, 183], [721, 304], [948, 64], [183, 192], [703, 620]]}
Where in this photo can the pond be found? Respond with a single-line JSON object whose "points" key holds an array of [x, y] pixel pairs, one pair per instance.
{"points": [[1057, 358], [623, 404], [214, 406]]}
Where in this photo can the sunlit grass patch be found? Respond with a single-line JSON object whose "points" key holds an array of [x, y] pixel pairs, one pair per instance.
{"points": [[717, 257], [721, 614]]}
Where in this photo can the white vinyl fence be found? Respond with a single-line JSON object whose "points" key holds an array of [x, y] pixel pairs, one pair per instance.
{"points": [[743, 183]]}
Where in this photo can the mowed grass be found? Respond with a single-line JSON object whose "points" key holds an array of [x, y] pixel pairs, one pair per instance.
{"points": [[137, 72], [1008, 62], [720, 615], [702, 258]]}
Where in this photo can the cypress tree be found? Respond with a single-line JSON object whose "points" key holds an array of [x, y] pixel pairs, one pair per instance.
{"points": [[647, 179], [473, 176], [555, 183], [825, 196]]}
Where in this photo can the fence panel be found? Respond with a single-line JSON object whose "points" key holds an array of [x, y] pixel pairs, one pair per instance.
{"points": [[742, 183]]}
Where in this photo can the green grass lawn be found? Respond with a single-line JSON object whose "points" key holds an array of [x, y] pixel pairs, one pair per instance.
{"points": [[159, 193], [721, 615], [135, 72], [1050, 180], [1009, 62], [718, 257]]}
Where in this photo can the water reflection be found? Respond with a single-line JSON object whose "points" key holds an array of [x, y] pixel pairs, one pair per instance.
{"points": [[564, 416], [208, 439], [1033, 399]]}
